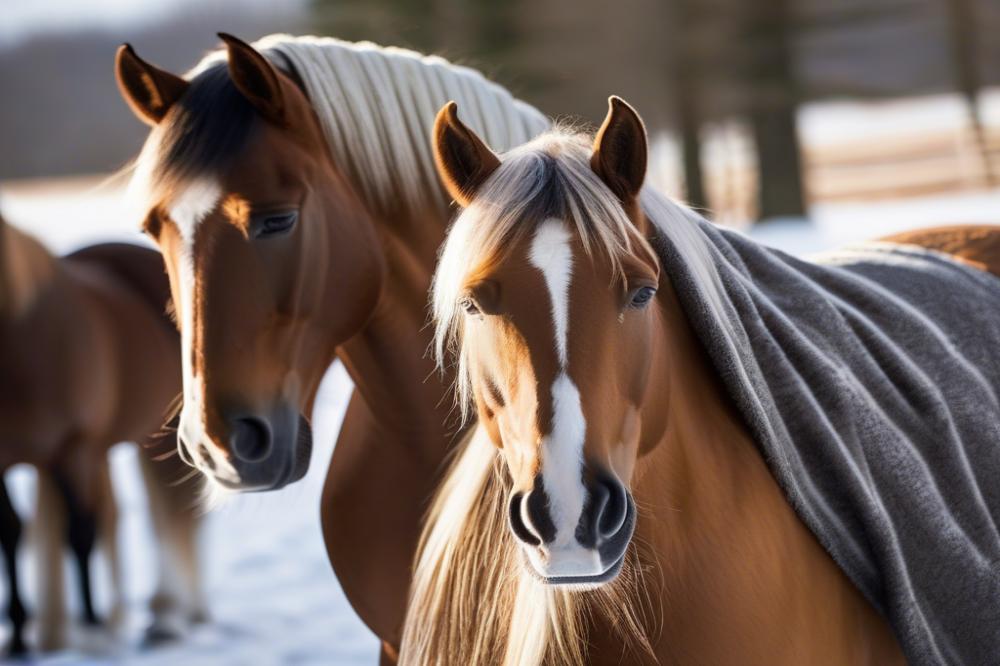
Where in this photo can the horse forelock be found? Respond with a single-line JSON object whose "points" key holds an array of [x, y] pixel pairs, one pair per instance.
{"points": [[199, 138], [549, 178]]}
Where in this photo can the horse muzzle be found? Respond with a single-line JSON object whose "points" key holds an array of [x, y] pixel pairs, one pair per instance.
{"points": [[595, 553], [260, 452]]}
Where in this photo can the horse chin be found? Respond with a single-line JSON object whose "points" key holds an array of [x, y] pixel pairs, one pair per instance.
{"points": [[580, 583]]}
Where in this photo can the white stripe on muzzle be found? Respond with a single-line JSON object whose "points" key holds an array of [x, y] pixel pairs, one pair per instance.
{"points": [[562, 448], [187, 212]]}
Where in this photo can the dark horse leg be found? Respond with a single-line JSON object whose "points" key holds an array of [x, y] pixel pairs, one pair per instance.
{"points": [[10, 536], [81, 533]]}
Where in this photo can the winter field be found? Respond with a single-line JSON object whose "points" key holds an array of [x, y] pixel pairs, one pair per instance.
{"points": [[274, 598]]}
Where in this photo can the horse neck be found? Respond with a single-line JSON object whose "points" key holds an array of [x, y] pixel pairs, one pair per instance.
{"points": [[388, 358], [715, 519], [25, 268]]}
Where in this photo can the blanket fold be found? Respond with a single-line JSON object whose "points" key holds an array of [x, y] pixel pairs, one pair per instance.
{"points": [[870, 381]]}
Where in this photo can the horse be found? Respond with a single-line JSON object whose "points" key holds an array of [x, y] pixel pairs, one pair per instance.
{"points": [[291, 189], [88, 359], [613, 505]]}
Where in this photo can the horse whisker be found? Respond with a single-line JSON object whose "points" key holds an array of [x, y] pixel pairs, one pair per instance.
{"points": [[185, 478], [164, 456]]}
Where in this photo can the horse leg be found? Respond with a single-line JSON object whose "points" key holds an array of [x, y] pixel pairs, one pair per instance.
{"points": [[176, 517], [10, 536], [50, 521], [108, 530], [81, 532]]}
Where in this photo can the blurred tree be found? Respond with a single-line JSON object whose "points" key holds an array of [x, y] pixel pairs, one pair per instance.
{"points": [[768, 71], [964, 41], [687, 72]]}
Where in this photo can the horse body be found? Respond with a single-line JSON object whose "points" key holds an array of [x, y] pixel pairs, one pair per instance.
{"points": [[89, 360]]}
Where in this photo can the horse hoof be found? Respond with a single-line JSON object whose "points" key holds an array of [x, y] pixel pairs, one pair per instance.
{"points": [[116, 621], [199, 616], [161, 633], [17, 649], [52, 641]]}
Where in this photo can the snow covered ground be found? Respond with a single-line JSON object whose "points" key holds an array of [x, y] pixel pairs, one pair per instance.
{"points": [[274, 597]]}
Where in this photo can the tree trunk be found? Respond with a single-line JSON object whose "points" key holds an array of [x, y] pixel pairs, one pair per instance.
{"points": [[686, 91], [774, 95], [779, 163], [963, 38]]}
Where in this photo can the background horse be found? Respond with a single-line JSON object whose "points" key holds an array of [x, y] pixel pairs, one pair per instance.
{"points": [[299, 216], [614, 504], [89, 359]]}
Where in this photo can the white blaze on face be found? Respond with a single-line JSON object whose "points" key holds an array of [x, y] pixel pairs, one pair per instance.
{"points": [[562, 448], [186, 212]]}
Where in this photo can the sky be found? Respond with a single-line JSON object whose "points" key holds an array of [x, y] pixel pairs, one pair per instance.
{"points": [[24, 18]]}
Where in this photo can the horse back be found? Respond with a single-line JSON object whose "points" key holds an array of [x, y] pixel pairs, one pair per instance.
{"points": [[975, 245], [137, 268], [125, 291]]}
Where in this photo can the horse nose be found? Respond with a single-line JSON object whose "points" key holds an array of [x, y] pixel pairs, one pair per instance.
{"points": [[250, 440], [529, 517], [605, 513]]}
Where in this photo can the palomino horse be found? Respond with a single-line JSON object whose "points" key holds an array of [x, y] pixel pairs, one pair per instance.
{"points": [[88, 359], [299, 216], [613, 507]]}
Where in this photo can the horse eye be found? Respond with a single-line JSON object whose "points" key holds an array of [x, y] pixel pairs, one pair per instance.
{"points": [[275, 224], [641, 297], [469, 306]]}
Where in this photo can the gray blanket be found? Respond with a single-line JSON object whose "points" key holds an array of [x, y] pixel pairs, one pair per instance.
{"points": [[870, 382]]}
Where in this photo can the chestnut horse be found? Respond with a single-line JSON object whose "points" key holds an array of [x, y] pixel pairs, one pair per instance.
{"points": [[613, 506], [293, 195], [88, 359]]}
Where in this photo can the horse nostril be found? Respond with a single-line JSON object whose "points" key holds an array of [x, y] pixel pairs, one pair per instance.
{"points": [[517, 524], [250, 440], [605, 512], [615, 510]]}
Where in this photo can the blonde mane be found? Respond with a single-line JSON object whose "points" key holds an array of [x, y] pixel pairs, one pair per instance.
{"points": [[472, 600]]}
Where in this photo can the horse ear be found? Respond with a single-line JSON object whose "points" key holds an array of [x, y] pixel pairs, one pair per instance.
{"points": [[256, 79], [620, 150], [148, 90], [463, 160]]}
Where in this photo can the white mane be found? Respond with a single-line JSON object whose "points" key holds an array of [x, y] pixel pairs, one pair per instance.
{"points": [[377, 106]]}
